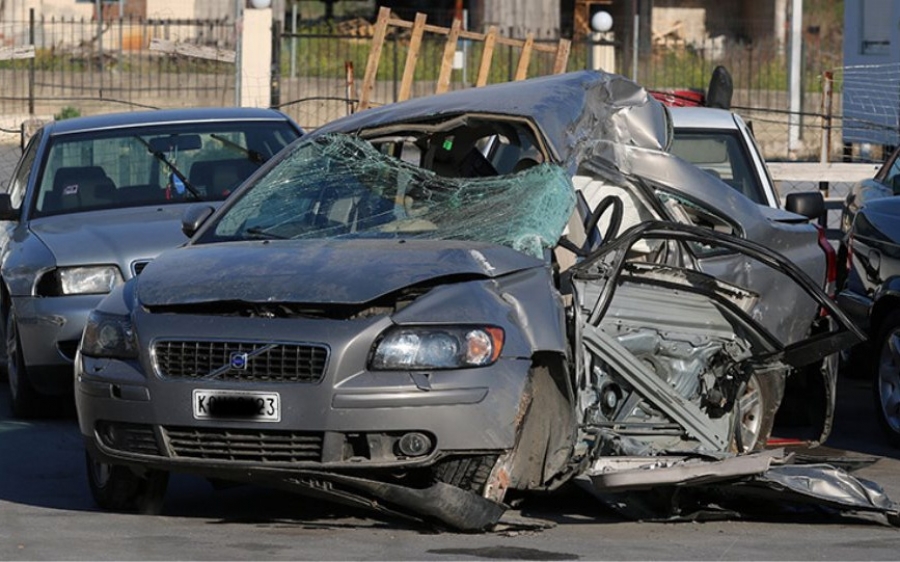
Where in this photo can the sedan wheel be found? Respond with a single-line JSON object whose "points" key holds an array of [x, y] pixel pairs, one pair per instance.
{"points": [[118, 488], [25, 400], [887, 379], [755, 413]]}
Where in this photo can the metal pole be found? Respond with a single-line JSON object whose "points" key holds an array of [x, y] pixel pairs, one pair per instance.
{"points": [[635, 40], [827, 100], [794, 81], [275, 72], [238, 34], [31, 62], [294, 39], [100, 42]]}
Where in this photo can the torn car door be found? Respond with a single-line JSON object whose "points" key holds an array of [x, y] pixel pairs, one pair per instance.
{"points": [[673, 361]]}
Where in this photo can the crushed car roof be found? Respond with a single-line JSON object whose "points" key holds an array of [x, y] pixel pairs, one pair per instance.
{"points": [[563, 106]]}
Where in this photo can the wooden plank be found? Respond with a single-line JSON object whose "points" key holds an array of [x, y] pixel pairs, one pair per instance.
{"points": [[194, 51], [381, 25], [412, 57], [562, 56], [443, 83], [14, 53], [487, 55], [524, 58]]}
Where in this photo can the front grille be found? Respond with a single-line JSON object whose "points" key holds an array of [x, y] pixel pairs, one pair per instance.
{"points": [[128, 437], [241, 361], [238, 445]]}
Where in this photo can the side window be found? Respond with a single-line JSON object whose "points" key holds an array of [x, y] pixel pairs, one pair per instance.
{"points": [[893, 172], [19, 182], [876, 28]]}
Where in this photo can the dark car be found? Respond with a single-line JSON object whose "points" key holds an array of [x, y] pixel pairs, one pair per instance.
{"points": [[91, 202], [871, 296], [885, 183], [423, 306]]}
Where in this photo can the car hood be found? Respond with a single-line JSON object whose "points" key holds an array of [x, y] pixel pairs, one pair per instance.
{"points": [[110, 236], [878, 219], [316, 271]]}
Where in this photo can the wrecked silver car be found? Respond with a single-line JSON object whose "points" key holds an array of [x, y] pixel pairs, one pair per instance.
{"points": [[428, 313]]}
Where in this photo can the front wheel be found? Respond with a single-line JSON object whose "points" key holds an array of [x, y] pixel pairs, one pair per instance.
{"points": [[118, 488], [25, 401], [886, 386], [755, 412]]}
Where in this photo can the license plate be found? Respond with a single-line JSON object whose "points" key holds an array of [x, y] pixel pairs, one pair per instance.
{"points": [[237, 405]]}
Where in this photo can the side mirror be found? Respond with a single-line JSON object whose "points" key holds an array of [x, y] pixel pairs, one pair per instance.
{"points": [[810, 204], [194, 217], [7, 212]]}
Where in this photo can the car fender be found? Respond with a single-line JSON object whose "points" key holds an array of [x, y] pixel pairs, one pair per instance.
{"points": [[886, 299], [26, 258]]}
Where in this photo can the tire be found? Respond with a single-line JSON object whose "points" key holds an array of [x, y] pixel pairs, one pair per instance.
{"points": [[886, 377], [26, 402], [755, 413], [468, 473], [118, 488]]}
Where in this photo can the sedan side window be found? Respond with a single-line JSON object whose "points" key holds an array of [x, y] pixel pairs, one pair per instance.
{"points": [[19, 182], [893, 173]]}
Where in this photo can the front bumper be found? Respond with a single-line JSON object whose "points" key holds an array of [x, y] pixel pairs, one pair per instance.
{"points": [[148, 421], [49, 331]]}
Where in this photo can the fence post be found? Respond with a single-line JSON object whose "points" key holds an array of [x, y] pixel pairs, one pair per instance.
{"points": [[256, 63], [31, 63], [275, 89], [293, 40], [827, 91]]}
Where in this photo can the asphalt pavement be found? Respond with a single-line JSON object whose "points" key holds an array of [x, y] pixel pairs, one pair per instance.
{"points": [[46, 513]]}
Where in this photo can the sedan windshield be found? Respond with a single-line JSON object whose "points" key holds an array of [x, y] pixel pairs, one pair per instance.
{"points": [[154, 164], [339, 186]]}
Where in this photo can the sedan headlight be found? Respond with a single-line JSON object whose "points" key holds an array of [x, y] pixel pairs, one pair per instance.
{"points": [[86, 280], [437, 347], [109, 335]]}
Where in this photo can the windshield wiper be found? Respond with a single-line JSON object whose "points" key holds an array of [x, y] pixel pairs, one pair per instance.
{"points": [[252, 155], [258, 232], [161, 157]]}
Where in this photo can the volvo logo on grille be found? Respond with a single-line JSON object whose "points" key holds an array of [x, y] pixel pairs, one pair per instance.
{"points": [[238, 360]]}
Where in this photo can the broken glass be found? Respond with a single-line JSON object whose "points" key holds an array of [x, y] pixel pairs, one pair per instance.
{"points": [[338, 186]]}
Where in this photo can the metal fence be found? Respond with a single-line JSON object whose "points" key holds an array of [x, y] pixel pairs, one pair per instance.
{"points": [[87, 67], [105, 66]]}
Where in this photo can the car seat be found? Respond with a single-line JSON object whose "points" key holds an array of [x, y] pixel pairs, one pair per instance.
{"points": [[78, 187]]}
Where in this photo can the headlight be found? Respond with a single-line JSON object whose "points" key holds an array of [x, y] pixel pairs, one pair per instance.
{"points": [[96, 280], [109, 335], [437, 347]]}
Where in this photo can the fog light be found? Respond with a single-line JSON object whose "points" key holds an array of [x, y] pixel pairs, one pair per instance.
{"points": [[415, 444]]}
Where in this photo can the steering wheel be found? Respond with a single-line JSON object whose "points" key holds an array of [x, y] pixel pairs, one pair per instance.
{"points": [[615, 222]]}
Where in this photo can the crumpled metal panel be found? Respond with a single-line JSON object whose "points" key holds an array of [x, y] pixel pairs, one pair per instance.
{"points": [[759, 485], [572, 110]]}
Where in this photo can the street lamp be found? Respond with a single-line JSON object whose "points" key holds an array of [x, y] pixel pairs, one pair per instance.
{"points": [[603, 54]]}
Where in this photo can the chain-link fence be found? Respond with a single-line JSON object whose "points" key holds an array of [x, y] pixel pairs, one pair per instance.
{"points": [[86, 66], [10, 150], [98, 67]]}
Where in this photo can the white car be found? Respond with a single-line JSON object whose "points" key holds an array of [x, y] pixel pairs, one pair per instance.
{"points": [[721, 143]]}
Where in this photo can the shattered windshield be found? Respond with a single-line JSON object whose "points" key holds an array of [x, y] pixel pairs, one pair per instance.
{"points": [[338, 186]]}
